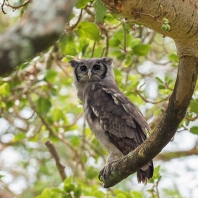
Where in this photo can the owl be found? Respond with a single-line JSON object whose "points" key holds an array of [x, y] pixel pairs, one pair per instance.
{"points": [[115, 121]]}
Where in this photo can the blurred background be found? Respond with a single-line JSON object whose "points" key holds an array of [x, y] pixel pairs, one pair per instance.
{"points": [[38, 103]]}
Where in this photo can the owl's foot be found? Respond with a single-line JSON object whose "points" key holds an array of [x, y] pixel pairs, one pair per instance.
{"points": [[104, 172], [103, 175]]}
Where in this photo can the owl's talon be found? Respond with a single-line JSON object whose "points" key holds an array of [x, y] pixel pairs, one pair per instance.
{"points": [[104, 173], [100, 177]]}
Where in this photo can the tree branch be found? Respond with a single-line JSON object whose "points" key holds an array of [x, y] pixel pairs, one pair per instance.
{"points": [[17, 7], [167, 156], [39, 28], [60, 167], [165, 130], [182, 17]]}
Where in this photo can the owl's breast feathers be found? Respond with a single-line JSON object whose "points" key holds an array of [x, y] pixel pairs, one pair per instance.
{"points": [[119, 117]]}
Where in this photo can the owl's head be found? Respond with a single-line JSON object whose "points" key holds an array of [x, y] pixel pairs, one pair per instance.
{"points": [[93, 69]]}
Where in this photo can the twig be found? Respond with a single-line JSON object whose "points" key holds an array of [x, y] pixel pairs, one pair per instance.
{"points": [[93, 50], [17, 7], [70, 125], [155, 62], [191, 119], [167, 86], [60, 167], [62, 68], [77, 22], [167, 156], [12, 122], [92, 14], [124, 37], [2, 7], [103, 50], [148, 101], [107, 38], [157, 187]]}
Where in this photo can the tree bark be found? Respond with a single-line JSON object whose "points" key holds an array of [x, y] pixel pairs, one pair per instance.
{"points": [[38, 29], [182, 16]]}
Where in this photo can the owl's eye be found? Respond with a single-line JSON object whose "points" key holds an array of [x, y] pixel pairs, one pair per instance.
{"points": [[96, 67], [83, 68]]}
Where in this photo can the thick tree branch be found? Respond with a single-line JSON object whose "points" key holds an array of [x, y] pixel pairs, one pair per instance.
{"points": [[60, 167], [182, 17], [165, 130], [38, 29]]}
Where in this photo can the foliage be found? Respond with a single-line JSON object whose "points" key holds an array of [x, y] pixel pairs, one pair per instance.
{"points": [[39, 103]]}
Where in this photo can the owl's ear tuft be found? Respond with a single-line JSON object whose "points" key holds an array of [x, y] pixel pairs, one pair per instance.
{"points": [[107, 60], [74, 63]]}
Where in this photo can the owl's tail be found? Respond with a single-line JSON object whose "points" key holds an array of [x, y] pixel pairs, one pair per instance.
{"points": [[145, 173]]}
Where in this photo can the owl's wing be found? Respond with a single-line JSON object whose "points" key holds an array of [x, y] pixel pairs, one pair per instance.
{"points": [[119, 117]]}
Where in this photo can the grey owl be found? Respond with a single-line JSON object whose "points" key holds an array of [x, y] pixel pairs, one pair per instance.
{"points": [[115, 121]]}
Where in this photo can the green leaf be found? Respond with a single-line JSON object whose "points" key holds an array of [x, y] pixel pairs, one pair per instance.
{"points": [[156, 174], [117, 72], [4, 89], [114, 42], [161, 87], [100, 10], [67, 45], [19, 136], [57, 190], [69, 187], [81, 3], [43, 105], [98, 194], [46, 193], [68, 180], [174, 58], [119, 54], [77, 192], [128, 60], [70, 50], [57, 114], [51, 75], [89, 30], [121, 195], [135, 194], [84, 48], [194, 106], [135, 42], [62, 43], [141, 49], [2, 104], [194, 130], [67, 59], [159, 80], [91, 172], [75, 140]]}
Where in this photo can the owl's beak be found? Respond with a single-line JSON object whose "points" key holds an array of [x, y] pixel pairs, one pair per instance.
{"points": [[89, 73]]}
